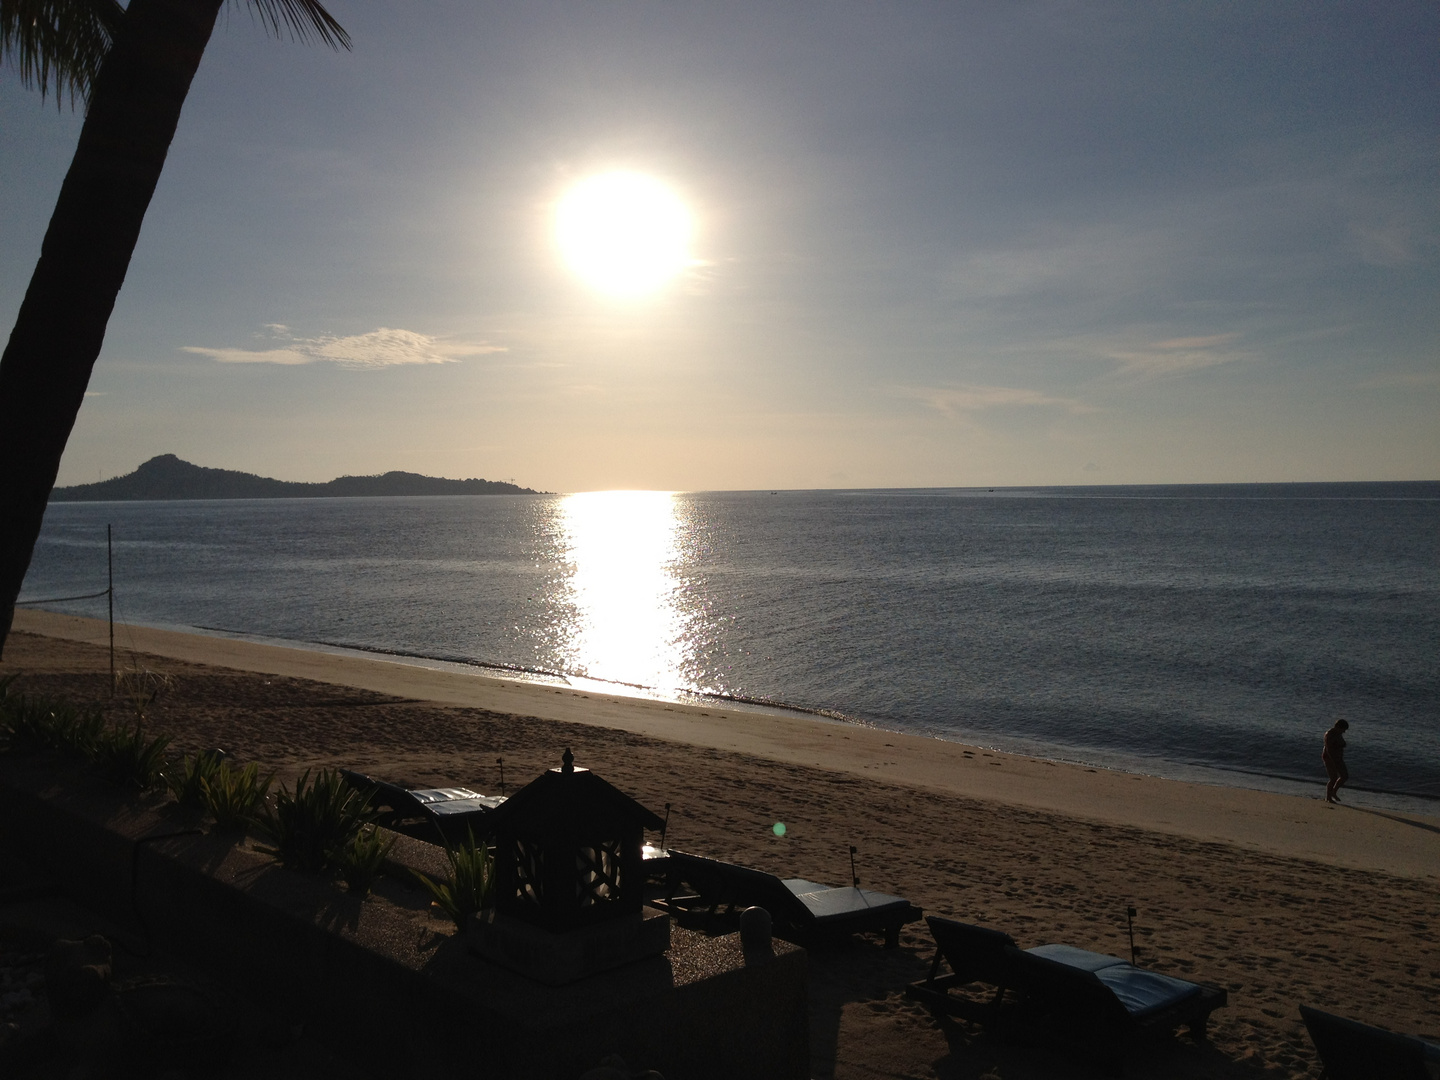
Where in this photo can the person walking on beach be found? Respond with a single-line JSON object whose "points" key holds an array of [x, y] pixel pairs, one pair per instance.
{"points": [[1334, 757]]}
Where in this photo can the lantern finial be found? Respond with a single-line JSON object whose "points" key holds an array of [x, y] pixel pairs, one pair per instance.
{"points": [[567, 761]]}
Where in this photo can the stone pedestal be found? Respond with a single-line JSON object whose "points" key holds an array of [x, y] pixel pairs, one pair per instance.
{"points": [[556, 959]]}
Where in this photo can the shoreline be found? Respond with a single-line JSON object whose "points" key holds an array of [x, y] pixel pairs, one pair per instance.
{"points": [[1396, 842], [1108, 761], [1385, 800]]}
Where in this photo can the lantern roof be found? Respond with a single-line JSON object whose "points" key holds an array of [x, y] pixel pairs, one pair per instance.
{"points": [[565, 793]]}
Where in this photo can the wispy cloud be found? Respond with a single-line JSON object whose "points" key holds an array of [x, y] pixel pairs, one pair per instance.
{"points": [[1174, 356], [954, 400], [1387, 245], [385, 347], [1402, 379]]}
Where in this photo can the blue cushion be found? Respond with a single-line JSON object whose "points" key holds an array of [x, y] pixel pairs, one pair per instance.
{"points": [[1144, 992], [799, 885], [1141, 992], [1075, 958]]}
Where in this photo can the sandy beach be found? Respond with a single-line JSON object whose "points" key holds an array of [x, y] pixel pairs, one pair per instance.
{"points": [[1279, 899]]}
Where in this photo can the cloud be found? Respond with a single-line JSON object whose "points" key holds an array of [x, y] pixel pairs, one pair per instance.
{"points": [[252, 356], [1385, 246], [1192, 343], [385, 347], [1402, 379], [952, 400], [1174, 356]]}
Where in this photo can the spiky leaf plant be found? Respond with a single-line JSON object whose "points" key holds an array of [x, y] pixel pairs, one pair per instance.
{"points": [[185, 775], [234, 796], [125, 757], [471, 884], [362, 858], [309, 827], [33, 724]]}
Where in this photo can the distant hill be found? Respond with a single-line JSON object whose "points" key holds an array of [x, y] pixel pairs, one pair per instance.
{"points": [[167, 477]]}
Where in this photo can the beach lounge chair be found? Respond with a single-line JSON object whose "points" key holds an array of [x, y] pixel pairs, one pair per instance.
{"points": [[975, 955], [1098, 1000], [797, 907], [1350, 1050], [444, 815]]}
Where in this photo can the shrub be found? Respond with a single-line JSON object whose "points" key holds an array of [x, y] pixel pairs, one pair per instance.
{"points": [[31, 724], [362, 858], [472, 880], [185, 776], [233, 797], [310, 828], [124, 757]]}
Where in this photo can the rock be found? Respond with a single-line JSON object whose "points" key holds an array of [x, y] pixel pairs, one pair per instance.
{"points": [[77, 976]]}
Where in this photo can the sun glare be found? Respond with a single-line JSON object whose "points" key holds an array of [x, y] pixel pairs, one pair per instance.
{"points": [[623, 233], [622, 547]]}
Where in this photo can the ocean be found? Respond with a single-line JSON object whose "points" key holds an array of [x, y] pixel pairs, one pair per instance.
{"points": [[1208, 633]]}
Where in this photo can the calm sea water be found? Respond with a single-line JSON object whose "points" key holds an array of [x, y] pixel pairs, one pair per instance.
{"points": [[1200, 632]]}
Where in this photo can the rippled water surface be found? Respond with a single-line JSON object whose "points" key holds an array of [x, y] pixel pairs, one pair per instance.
{"points": [[1177, 630]]}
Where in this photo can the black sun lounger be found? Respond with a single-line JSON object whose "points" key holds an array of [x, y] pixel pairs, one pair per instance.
{"points": [[446, 815], [796, 906], [974, 954], [1350, 1050], [1095, 999]]}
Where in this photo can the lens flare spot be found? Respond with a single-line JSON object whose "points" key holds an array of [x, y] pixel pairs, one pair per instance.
{"points": [[778, 828]]}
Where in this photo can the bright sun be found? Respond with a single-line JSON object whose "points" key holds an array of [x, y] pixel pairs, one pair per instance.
{"points": [[624, 233]]}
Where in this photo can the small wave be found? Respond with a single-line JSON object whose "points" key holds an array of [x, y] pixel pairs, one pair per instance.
{"points": [[467, 661], [521, 669]]}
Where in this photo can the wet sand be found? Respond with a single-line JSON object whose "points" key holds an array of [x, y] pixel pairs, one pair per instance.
{"points": [[1282, 900]]}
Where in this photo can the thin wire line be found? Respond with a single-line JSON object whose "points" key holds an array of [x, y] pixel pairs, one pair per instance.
{"points": [[61, 599]]}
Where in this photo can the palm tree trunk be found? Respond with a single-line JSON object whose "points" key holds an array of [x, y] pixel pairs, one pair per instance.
{"points": [[134, 108]]}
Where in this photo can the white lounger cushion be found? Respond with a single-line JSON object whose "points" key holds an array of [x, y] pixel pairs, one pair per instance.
{"points": [[823, 900], [447, 801]]}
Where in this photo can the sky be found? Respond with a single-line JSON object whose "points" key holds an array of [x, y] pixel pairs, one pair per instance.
{"points": [[934, 243]]}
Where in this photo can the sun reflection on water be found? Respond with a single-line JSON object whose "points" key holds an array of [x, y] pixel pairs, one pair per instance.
{"points": [[622, 548]]}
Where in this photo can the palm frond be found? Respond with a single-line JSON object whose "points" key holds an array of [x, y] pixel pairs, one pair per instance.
{"points": [[58, 43], [302, 19]]}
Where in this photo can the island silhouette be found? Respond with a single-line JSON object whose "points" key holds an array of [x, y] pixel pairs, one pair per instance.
{"points": [[169, 477]]}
